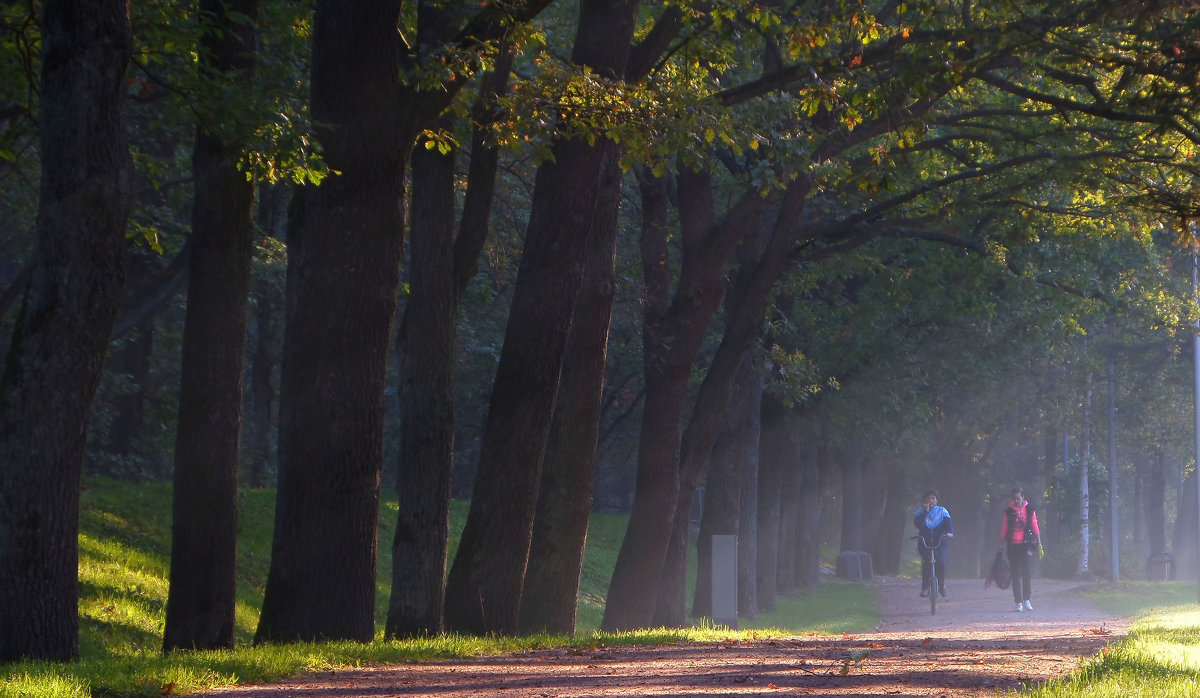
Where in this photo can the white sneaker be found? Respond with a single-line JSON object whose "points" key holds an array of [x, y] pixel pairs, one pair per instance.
{"points": [[1028, 606], [1020, 607]]}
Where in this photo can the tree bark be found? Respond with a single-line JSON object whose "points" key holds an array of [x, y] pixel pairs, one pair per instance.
{"points": [[673, 330], [61, 335], [1155, 497], [719, 518], [1183, 537], [793, 467], [818, 471], [344, 244], [426, 339], [419, 549], [774, 457], [550, 595], [203, 595], [889, 538], [749, 426], [483, 591], [343, 279], [850, 462], [1082, 568]]}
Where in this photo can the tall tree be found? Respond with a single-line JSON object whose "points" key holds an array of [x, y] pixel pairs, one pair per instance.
{"points": [[443, 263], [344, 244], [427, 451], [1083, 565], [371, 99], [203, 594], [58, 345], [774, 460], [551, 591], [483, 590]]}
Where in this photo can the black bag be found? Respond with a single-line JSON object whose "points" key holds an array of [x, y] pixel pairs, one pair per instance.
{"points": [[1000, 574]]}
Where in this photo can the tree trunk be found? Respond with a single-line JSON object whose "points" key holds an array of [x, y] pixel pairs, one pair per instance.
{"points": [[632, 593], [483, 591], [894, 524], [420, 546], [203, 595], [746, 415], [344, 244], [1085, 501], [774, 457], [61, 335], [722, 493], [1155, 498], [874, 497], [817, 472], [1183, 538], [550, 596], [850, 463], [644, 550], [419, 549]]}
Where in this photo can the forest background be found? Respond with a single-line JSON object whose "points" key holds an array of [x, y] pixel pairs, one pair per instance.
{"points": [[766, 269]]}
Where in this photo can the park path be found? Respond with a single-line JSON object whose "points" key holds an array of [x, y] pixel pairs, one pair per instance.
{"points": [[976, 646]]}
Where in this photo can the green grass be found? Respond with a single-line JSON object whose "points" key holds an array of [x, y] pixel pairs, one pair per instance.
{"points": [[124, 559], [1131, 598], [1160, 657]]}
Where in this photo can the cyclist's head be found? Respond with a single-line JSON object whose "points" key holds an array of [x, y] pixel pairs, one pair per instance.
{"points": [[930, 497]]}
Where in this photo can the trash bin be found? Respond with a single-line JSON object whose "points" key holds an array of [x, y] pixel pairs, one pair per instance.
{"points": [[854, 565]]}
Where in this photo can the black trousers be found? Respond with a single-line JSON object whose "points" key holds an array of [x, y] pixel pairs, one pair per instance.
{"points": [[1020, 561]]}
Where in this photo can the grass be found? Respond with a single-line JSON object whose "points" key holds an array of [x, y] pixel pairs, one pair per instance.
{"points": [[1159, 657], [124, 557]]}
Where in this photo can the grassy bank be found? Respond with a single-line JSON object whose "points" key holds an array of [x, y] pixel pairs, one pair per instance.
{"points": [[124, 562], [1160, 657]]}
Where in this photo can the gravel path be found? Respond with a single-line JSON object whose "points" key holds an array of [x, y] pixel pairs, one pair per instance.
{"points": [[975, 646]]}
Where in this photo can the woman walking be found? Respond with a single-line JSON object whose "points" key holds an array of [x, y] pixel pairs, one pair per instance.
{"points": [[1019, 532]]}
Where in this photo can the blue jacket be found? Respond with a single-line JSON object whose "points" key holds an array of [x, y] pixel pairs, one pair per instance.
{"points": [[932, 524]]}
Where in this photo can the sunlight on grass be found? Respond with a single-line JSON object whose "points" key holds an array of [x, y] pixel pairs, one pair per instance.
{"points": [[43, 684], [114, 555], [1160, 657]]}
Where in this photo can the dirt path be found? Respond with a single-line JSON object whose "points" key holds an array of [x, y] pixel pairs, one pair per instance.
{"points": [[975, 646]]}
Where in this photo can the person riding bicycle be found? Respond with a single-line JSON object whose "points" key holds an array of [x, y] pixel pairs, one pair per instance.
{"points": [[932, 521]]}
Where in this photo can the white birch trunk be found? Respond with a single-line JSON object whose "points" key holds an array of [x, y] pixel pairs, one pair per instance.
{"points": [[1084, 497]]}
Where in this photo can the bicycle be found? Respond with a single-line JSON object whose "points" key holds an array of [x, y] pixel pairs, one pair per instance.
{"points": [[935, 584]]}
